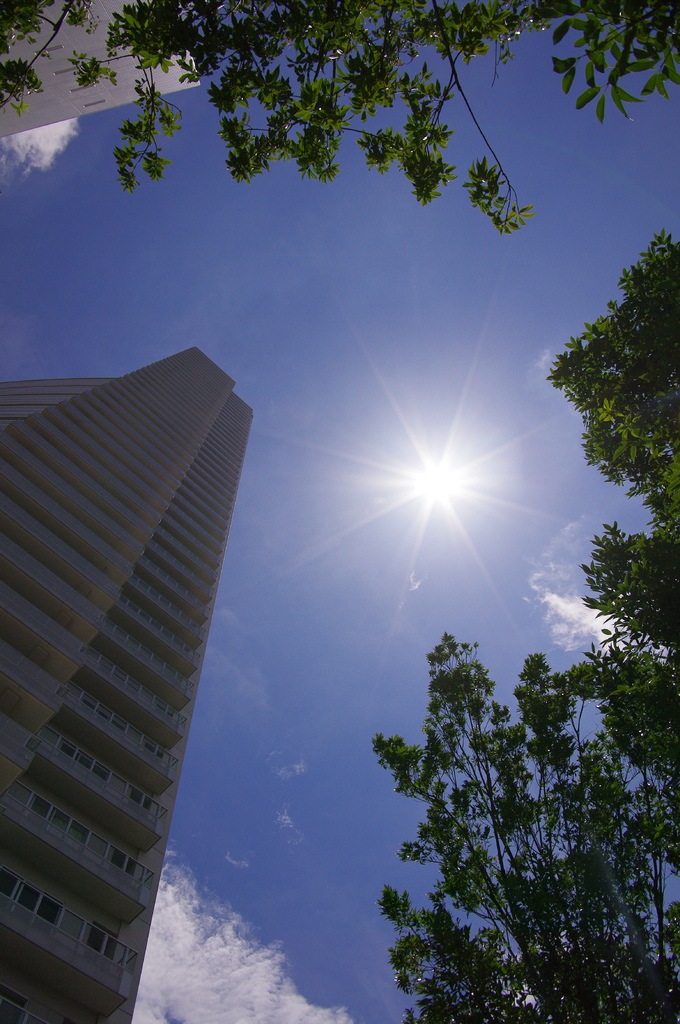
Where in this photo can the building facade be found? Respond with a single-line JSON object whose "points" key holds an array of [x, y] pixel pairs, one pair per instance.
{"points": [[62, 98], [116, 501]]}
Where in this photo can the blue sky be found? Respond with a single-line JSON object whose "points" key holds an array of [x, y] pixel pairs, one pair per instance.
{"points": [[362, 329]]}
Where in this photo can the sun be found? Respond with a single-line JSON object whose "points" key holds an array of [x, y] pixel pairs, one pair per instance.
{"points": [[437, 482]]}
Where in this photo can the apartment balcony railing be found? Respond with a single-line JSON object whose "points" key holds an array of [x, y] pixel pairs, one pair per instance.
{"points": [[166, 605], [188, 653], [188, 508], [173, 583], [204, 590], [134, 741], [38, 690], [204, 570], [68, 453], [101, 772], [62, 948], [97, 515], [10, 1013], [138, 816], [112, 453], [86, 617], [145, 654], [94, 867], [81, 444], [197, 497], [211, 478], [154, 411], [211, 555], [194, 525], [14, 755], [59, 551], [141, 694], [162, 425], [61, 521], [180, 389], [31, 628], [119, 421]]}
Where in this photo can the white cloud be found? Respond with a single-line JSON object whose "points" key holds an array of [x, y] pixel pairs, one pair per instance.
{"points": [[414, 583], [291, 770], [284, 821], [558, 582], [544, 360], [571, 623], [37, 148], [203, 966], [234, 862]]}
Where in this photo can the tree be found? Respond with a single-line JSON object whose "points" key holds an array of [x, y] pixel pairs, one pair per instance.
{"points": [[554, 843], [623, 375], [556, 831], [290, 79]]}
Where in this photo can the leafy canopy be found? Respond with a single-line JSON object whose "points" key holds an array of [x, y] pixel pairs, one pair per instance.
{"points": [[555, 827], [623, 375], [554, 845], [291, 78]]}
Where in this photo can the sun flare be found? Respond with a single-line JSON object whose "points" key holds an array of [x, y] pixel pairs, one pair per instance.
{"points": [[437, 482]]}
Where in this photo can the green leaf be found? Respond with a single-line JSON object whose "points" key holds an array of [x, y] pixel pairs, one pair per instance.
{"points": [[599, 110], [649, 86], [561, 30], [587, 96], [598, 59], [568, 79], [562, 64]]}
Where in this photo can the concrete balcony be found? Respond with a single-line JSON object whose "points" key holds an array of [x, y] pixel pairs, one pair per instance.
{"points": [[36, 506], [173, 650], [138, 404], [199, 565], [99, 970], [127, 651], [193, 524], [115, 473], [37, 636], [123, 693], [88, 784], [89, 476], [47, 591], [131, 429], [162, 552], [82, 496], [56, 555], [196, 497], [211, 477], [183, 596], [122, 745], [138, 478], [30, 693], [187, 507], [183, 626], [55, 844], [172, 520], [15, 757]]}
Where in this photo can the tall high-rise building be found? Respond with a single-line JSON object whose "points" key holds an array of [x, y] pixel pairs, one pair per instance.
{"points": [[61, 97], [115, 505]]}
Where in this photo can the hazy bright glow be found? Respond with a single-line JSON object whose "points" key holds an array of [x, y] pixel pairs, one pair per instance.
{"points": [[456, 480], [437, 482]]}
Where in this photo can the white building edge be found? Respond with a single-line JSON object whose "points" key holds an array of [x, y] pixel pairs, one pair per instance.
{"points": [[62, 98], [116, 497]]}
